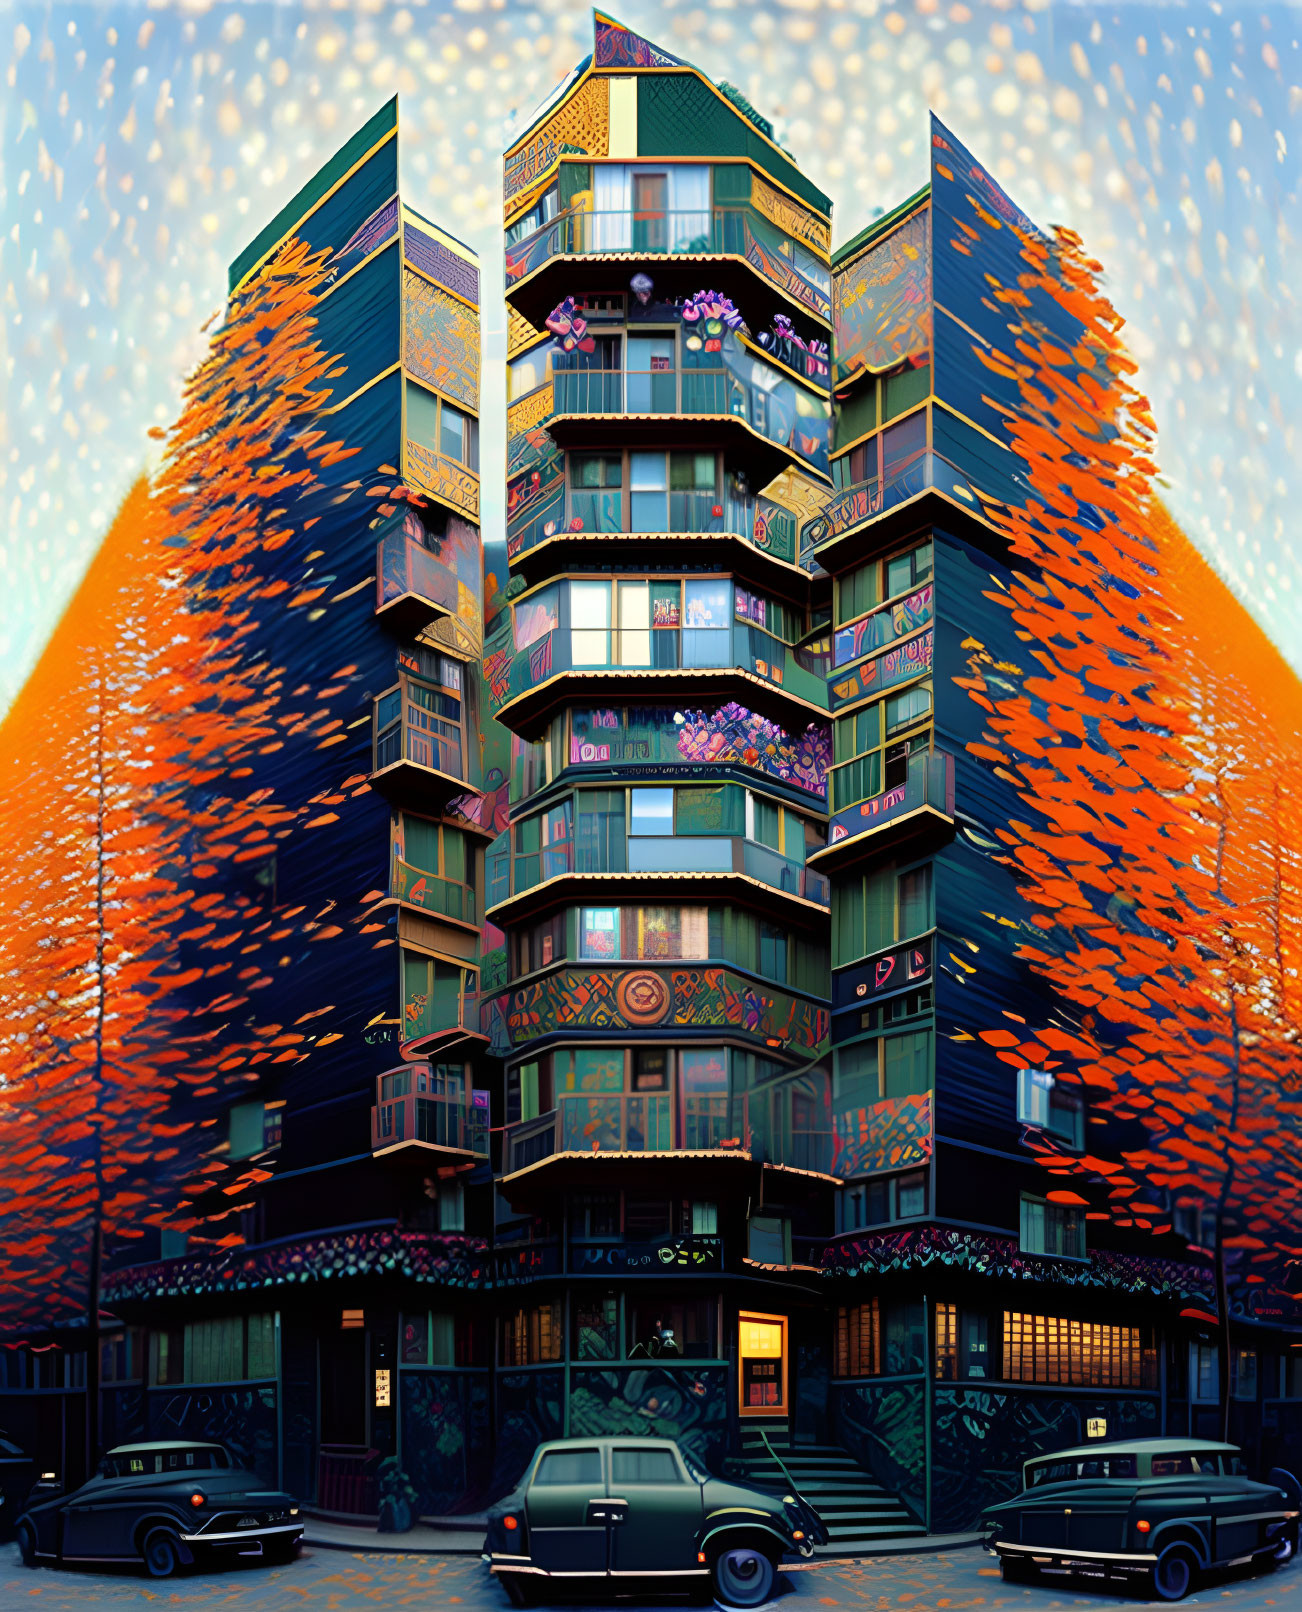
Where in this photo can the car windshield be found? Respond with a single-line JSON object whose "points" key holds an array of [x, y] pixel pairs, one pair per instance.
{"points": [[1082, 1469], [138, 1463]]}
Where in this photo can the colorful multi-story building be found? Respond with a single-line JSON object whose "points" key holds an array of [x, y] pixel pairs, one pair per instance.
{"points": [[661, 1109]]}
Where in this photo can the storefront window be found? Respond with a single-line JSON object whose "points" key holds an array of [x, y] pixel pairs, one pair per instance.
{"points": [[668, 1329]]}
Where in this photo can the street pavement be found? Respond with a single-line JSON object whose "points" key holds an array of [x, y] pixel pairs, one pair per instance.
{"points": [[345, 1581]]}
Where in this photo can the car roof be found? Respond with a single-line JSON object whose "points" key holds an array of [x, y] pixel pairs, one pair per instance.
{"points": [[164, 1444], [605, 1439], [1135, 1446]]}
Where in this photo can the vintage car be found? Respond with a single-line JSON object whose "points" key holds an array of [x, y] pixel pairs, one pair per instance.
{"points": [[1162, 1511], [164, 1506], [641, 1508]]}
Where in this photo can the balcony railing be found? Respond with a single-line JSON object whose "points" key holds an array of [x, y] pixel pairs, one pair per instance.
{"points": [[431, 892], [636, 391], [405, 567], [769, 1125], [679, 853], [930, 782], [690, 232], [441, 1120], [867, 500], [408, 730], [610, 511]]}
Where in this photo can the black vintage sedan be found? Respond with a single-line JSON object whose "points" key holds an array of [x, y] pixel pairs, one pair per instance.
{"points": [[165, 1506], [1161, 1511], [603, 1509]]}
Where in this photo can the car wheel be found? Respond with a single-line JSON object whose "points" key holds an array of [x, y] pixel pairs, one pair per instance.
{"points": [[279, 1555], [743, 1577], [519, 1591], [1285, 1550], [1174, 1574], [162, 1553], [27, 1544]]}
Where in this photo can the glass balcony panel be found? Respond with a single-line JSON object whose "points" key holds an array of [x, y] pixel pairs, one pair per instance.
{"points": [[614, 1123], [707, 646], [707, 1121], [679, 853]]}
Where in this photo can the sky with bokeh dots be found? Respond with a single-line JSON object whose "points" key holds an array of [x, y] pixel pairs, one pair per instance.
{"points": [[145, 144]]}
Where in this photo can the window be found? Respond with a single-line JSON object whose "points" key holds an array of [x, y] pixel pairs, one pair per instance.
{"points": [[432, 1338], [859, 1340], [946, 1344], [648, 492], [857, 592], [452, 1206], [906, 1064], [904, 572], [247, 1122], [1243, 1373], [537, 945], [707, 623], [905, 1337], [1095, 1466], [873, 1203], [458, 436], [197, 1460], [1082, 1354], [536, 616], [908, 707], [579, 1467], [643, 1466], [1204, 1373], [120, 1357], [544, 210], [590, 623], [1052, 1228], [1186, 1465], [1042, 1101], [668, 1328], [705, 1220], [433, 994], [532, 1335], [596, 492], [651, 811], [596, 1326], [913, 900], [770, 1239], [600, 841], [230, 1349], [911, 1195]]}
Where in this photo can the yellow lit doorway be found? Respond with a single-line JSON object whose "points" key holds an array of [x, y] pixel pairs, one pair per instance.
{"points": [[762, 1353]]}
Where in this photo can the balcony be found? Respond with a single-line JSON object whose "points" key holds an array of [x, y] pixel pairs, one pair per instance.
{"points": [[412, 1114], [740, 253], [756, 537], [418, 759], [921, 808], [675, 864], [786, 1125], [605, 408], [413, 587], [731, 661], [869, 516], [444, 898]]}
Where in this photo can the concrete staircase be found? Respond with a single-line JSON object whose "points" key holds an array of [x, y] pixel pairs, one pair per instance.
{"points": [[860, 1515]]}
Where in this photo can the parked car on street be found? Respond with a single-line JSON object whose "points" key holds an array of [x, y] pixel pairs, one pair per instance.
{"points": [[17, 1472], [1163, 1511], [641, 1508], [165, 1506]]}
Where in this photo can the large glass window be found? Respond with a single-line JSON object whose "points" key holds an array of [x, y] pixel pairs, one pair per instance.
{"points": [[596, 1326], [531, 1335], [229, 1349], [649, 492], [458, 436], [707, 622], [672, 1328], [1087, 1354], [858, 1340], [1042, 1101], [651, 811], [590, 623], [913, 891], [601, 837], [596, 491]]}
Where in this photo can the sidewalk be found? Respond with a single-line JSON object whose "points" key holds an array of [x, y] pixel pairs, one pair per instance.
{"points": [[440, 1536], [464, 1536]]}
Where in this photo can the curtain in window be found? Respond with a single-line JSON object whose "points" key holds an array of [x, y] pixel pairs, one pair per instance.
{"points": [[600, 839], [420, 840], [612, 221], [689, 199]]}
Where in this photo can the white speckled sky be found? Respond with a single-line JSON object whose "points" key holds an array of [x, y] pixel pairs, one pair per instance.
{"points": [[144, 144]]}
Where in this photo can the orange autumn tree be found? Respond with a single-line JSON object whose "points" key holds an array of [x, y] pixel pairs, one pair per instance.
{"points": [[129, 958], [1143, 829]]}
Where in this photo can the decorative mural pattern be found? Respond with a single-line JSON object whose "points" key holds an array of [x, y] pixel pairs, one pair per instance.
{"points": [[896, 970], [690, 999], [789, 216], [243, 1419], [430, 473], [440, 339], [883, 1426], [445, 1435], [907, 660], [440, 263], [380, 227], [891, 1135], [581, 124], [446, 1259], [529, 1412], [920, 1248], [881, 301], [686, 1404], [884, 626], [981, 1436], [618, 46]]}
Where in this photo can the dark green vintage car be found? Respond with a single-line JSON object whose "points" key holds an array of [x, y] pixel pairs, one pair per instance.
{"points": [[1162, 1511], [640, 1508]]}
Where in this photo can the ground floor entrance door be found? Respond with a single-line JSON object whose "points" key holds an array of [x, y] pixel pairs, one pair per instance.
{"points": [[762, 1361]]}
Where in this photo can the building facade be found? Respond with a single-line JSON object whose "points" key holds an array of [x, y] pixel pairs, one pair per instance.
{"points": [[656, 1105]]}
